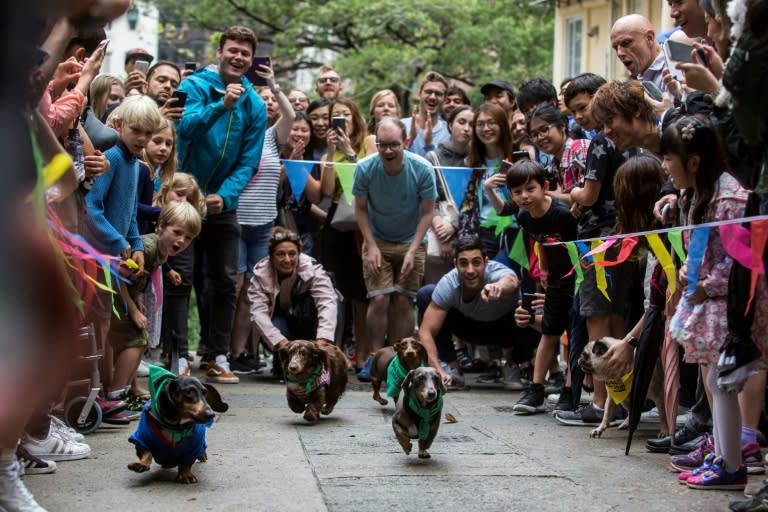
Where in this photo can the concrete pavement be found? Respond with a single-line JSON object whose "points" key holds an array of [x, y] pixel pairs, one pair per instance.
{"points": [[263, 457]]}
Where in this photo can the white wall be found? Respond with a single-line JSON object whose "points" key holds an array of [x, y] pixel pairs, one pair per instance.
{"points": [[123, 39]]}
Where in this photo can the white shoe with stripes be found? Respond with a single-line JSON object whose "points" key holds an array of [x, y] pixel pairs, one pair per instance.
{"points": [[55, 447]]}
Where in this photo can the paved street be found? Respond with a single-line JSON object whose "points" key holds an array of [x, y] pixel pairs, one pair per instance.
{"points": [[263, 457]]}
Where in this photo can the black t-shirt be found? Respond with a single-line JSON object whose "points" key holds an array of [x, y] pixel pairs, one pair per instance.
{"points": [[557, 225], [603, 159]]}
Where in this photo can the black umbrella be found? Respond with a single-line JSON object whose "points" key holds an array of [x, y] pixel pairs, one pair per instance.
{"points": [[648, 350]]}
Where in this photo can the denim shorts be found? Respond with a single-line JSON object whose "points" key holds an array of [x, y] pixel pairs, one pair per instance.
{"points": [[254, 244]]}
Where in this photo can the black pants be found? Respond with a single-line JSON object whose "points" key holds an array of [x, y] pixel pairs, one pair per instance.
{"points": [[175, 330], [502, 332], [220, 244]]}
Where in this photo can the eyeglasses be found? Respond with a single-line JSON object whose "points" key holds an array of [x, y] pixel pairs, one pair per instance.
{"points": [[541, 132], [383, 146], [298, 100], [325, 79], [430, 92], [489, 123]]}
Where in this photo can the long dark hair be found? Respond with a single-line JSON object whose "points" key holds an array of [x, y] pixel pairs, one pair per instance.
{"points": [[694, 135], [636, 187]]}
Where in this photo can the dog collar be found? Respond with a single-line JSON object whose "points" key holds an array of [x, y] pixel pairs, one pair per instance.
{"points": [[317, 378], [164, 431], [425, 414], [620, 388]]}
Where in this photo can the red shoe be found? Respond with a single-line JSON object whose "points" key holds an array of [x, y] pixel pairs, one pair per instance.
{"points": [[110, 406]]}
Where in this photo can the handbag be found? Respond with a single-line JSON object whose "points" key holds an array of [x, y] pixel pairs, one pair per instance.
{"points": [[446, 208], [344, 216]]}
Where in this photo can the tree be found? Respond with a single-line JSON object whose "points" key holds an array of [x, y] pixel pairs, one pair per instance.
{"points": [[391, 43]]}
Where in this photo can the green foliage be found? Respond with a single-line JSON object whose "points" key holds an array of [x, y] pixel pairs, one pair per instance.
{"points": [[391, 43]]}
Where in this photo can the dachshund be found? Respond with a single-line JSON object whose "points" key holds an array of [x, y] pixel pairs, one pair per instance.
{"points": [[315, 376], [592, 362], [393, 363], [173, 423], [418, 410]]}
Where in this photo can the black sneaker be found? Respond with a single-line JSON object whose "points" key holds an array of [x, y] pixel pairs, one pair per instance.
{"points": [[532, 401], [565, 400], [589, 416], [492, 376], [555, 383], [684, 441], [241, 365]]}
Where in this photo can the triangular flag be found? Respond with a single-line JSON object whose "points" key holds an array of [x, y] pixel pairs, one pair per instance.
{"points": [[346, 174], [297, 173], [602, 283], [500, 223], [599, 247], [697, 246], [665, 260], [518, 253], [735, 241], [457, 179], [759, 235], [676, 240], [573, 253]]}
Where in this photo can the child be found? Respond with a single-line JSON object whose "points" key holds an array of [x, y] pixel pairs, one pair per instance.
{"points": [[178, 272], [544, 218], [111, 205], [695, 161], [179, 223]]}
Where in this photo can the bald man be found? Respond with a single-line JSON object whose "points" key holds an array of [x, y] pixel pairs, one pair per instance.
{"points": [[634, 41]]}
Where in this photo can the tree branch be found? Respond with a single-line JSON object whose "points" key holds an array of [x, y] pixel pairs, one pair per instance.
{"points": [[242, 9]]}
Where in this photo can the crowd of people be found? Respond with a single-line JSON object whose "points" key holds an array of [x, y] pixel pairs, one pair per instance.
{"points": [[179, 182]]}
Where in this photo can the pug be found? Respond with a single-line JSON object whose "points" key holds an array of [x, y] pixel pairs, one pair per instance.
{"points": [[593, 362]]}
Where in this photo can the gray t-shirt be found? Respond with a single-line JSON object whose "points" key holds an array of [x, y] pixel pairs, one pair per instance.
{"points": [[448, 294]]}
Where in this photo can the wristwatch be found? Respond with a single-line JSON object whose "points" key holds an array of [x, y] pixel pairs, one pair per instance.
{"points": [[632, 341]]}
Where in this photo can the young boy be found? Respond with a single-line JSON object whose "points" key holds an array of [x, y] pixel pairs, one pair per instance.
{"points": [[179, 223], [545, 219], [111, 205]]}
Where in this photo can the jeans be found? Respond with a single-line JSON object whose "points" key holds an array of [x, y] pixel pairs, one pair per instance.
{"points": [[220, 243], [254, 245]]}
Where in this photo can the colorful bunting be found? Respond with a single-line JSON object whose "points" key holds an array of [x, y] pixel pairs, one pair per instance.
{"points": [[457, 179], [573, 252], [500, 223], [346, 174], [697, 246], [759, 235], [676, 240], [517, 253], [602, 283]]}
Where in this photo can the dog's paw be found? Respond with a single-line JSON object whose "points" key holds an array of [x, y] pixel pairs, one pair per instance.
{"points": [[598, 432], [328, 409], [311, 416], [203, 457], [138, 467], [186, 477], [424, 454], [624, 425]]}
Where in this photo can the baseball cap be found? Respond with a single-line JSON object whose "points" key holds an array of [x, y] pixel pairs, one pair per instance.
{"points": [[499, 84], [138, 54]]}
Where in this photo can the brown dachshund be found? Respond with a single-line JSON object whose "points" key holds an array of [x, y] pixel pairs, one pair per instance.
{"points": [[393, 364], [173, 424], [315, 376], [418, 411]]}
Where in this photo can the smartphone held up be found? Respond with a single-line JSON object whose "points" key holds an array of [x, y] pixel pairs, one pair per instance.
{"points": [[256, 66]]}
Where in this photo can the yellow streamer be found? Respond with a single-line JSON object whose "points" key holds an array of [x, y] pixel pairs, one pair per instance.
{"points": [[602, 283], [56, 168], [665, 259]]}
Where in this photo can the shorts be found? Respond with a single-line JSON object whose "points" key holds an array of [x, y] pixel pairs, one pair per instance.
{"points": [[392, 255], [557, 307], [254, 245], [123, 334], [594, 303]]}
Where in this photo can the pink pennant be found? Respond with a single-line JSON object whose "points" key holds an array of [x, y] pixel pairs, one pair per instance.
{"points": [[601, 248], [759, 235], [735, 239], [627, 246]]}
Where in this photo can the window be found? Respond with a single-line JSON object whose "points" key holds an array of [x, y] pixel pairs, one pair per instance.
{"points": [[573, 45]]}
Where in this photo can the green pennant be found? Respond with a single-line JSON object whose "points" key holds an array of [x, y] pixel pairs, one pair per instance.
{"points": [[498, 222], [573, 253], [676, 239], [346, 174], [517, 253]]}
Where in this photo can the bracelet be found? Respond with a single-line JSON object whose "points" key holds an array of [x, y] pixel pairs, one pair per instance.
{"points": [[351, 158], [632, 341]]}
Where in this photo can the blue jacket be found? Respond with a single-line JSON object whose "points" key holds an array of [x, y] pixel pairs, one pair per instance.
{"points": [[111, 205], [220, 147]]}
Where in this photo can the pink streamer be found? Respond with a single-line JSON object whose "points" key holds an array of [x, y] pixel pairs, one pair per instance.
{"points": [[736, 241]]}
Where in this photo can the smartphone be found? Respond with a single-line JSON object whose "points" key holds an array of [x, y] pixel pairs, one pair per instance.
{"points": [[191, 66], [652, 90], [520, 155], [251, 73], [678, 52], [103, 44], [182, 98], [504, 167], [142, 66], [701, 57], [339, 124], [528, 304]]}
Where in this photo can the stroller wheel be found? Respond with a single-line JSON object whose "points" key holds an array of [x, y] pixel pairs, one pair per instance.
{"points": [[72, 413]]}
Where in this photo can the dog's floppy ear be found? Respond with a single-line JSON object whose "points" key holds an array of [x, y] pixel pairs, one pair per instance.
{"points": [[407, 381], [281, 350], [600, 347], [167, 403], [213, 397], [440, 384]]}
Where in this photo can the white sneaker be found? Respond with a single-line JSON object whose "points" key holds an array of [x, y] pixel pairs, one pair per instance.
{"points": [[65, 431], [55, 447], [14, 495], [143, 369], [184, 368], [457, 379], [651, 416], [31, 465]]}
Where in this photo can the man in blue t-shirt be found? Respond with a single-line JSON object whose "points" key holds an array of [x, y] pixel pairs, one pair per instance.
{"points": [[475, 301], [395, 196]]}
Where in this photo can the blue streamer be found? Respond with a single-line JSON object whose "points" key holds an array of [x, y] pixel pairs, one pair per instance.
{"points": [[696, 249], [297, 173]]}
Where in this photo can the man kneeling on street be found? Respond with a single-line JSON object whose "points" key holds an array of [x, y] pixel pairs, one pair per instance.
{"points": [[475, 301]]}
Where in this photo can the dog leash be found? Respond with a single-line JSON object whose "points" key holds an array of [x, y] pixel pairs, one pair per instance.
{"points": [[424, 413]]}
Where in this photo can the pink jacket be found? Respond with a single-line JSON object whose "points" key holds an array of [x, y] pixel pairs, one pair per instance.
{"points": [[264, 289]]}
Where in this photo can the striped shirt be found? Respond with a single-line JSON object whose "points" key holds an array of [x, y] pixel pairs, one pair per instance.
{"points": [[258, 202]]}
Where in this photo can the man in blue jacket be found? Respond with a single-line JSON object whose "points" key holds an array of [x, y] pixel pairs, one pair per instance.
{"points": [[220, 138]]}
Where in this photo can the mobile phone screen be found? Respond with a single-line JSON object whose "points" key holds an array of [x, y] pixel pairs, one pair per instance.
{"points": [[182, 98], [652, 90], [678, 51], [142, 66], [339, 124]]}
